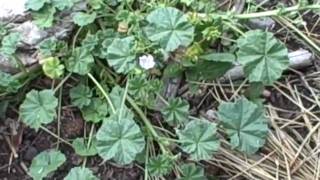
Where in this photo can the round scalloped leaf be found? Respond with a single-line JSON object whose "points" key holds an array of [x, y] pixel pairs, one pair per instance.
{"points": [[35, 5], [120, 54], [199, 139], [52, 67], [80, 173], [39, 107], [96, 111], [119, 139], [45, 163], [263, 56], [192, 172], [9, 44], [83, 19], [245, 124], [80, 62], [160, 165], [170, 28], [80, 95], [176, 112]]}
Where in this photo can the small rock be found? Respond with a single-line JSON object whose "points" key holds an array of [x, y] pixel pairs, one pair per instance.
{"points": [[9, 9], [261, 23], [31, 34], [7, 66], [211, 114]]}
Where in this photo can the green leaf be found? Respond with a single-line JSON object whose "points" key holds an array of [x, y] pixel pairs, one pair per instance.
{"points": [[176, 112], [45, 163], [144, 91], [45, 17], [263, 56], [90, 42], [52, 67], [245, 124], [80, 62], [83, 19], [96, 111], [48, 47], [211, 66], [120, 55], [35, 5], [80, 95], [199, 139], [81, 148], [96, 4], [160, 165], [64, 4], [9, 44], [80, 173], [192, 172], [8, 83], [120, 139], [170, 28], [39, 107]]}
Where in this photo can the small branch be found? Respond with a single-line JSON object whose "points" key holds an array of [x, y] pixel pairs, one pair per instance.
{"points": [[298, 59]]}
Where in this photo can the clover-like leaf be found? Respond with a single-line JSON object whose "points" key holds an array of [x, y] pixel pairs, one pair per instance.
{"points": [[198, 139], [170, 28], [35, 5], [192, 172], [245, 124], [80, 62], [8, 83], [83, 19], [263, 56], [52, 67], [176, 112], [160, 165], [96, 111], [45, 163], [9, 44], [120, 54], [80, 95], [44, 17], [39, 107], [82, 149], [120, 139], [80, 173]]}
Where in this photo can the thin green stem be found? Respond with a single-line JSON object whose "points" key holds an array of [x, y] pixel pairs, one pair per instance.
{"points": [[103, 92], [59, 116], [146, 122], [62, 82]]}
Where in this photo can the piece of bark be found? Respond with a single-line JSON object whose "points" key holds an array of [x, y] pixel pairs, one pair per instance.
{"points": [[298, 59]]}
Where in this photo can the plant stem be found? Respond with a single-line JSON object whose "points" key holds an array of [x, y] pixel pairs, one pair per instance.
{"points": [[103, 92], [275, 12], [147, 123], [62, 82]]}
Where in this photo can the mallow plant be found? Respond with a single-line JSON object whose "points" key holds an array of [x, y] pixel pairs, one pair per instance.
{"points": [[121, 53]]}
